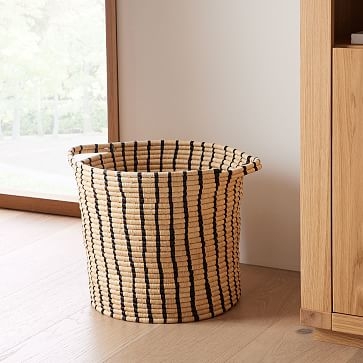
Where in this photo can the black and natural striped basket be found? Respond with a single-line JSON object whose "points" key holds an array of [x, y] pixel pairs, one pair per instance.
{"points": [[161, 226]]}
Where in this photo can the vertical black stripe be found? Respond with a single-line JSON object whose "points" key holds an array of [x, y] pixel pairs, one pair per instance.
{"points": [[191, 155], [94, 255], [201, 231], [102, 163], [128, 243], [112, 150], [172, 245], [234, 235], [175, 154], [215, 235], [123, 155], [148, 155], [224, 157], [109, 212], [161, 154], [202, 156], [101, 241], [226, 242], [233, 159], [82, 195], [239, 229], [241, 161], [96, 148], [80, 149], [135, 156], [144, 247], [187, 248], [211, 160], [158, 249], [81, 190]]}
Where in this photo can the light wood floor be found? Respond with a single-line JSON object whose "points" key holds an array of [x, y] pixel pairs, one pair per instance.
{"points": [[45, 313]]}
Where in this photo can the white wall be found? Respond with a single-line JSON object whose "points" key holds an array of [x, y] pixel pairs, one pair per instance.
{"points": [[224, 71]]}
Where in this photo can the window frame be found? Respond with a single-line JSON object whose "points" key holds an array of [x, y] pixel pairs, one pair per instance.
{"points": [[63, 207]]}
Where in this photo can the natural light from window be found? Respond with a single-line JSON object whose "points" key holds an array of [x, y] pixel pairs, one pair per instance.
{"points": [[52, 91]]}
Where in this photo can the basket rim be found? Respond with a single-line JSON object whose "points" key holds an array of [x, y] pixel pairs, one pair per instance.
{"points": [[107, 148]]}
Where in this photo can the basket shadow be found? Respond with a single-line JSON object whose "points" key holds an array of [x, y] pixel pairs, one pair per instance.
{"points": [[267, 294]]}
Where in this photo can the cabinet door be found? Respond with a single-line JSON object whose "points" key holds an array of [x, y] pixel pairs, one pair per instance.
{"points": [[347, 182]]}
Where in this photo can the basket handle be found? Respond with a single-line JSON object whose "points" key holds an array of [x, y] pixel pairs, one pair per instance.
{"points": [[88, 149], [250, 165]]}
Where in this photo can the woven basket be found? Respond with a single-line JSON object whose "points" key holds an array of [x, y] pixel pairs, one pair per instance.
{"points": [[161, 227]]}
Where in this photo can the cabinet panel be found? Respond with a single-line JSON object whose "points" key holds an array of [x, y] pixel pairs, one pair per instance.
{"points": [[347, 324], [347, 181], [315, 195]]}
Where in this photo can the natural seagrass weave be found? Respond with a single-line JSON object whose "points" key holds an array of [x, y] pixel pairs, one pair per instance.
{"points": [[161, 227]]}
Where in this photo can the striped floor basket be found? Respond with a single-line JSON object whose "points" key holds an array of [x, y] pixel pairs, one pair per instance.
{"points": [[161, 227]]}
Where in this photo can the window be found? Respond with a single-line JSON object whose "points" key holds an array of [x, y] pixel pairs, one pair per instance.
{"points": [[53, 94]]}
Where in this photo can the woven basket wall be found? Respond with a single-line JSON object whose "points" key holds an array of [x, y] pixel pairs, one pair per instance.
{"points": [[161, 227]]}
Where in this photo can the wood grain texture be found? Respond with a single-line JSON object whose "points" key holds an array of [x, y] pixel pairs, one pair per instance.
{"points": [[40, 205], [112, 71], [46, 316], [29, 232], [347, 44], [348, 181], [316, 43], [347, 324], [315, 319], [339, 338]]}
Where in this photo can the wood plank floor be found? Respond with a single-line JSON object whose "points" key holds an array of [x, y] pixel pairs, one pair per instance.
{"points": [[45, 315]]}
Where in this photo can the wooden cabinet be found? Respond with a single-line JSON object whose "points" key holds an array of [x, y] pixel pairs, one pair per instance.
{"points": [[347, 181], [332, 167]]}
